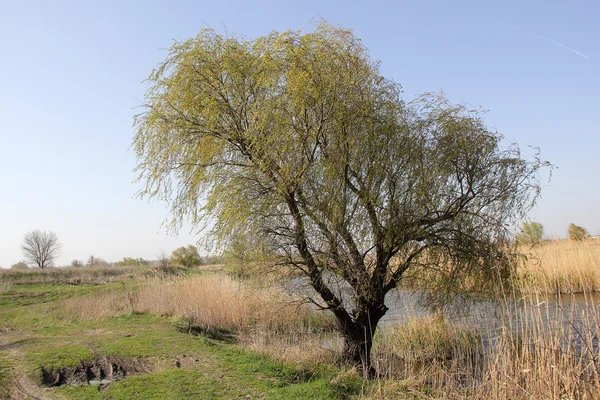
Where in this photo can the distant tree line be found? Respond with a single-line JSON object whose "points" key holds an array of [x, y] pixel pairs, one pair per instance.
{"points": [[41, 248], [532, 233]]}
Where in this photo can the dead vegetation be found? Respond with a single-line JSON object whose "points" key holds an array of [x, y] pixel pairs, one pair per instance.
{"points": [[537, 346], [561, 266]]}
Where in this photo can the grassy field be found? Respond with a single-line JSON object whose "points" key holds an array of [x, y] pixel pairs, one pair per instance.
{"points": [[201, 334], [41, 333]]}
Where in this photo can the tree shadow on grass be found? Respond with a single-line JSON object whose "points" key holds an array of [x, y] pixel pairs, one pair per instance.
{"points": [[209, 332]]}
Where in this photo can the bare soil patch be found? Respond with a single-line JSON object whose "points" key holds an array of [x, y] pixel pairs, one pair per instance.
{"points": [[102, 369]]}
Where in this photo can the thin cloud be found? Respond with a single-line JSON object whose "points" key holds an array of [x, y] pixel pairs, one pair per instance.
{"points": [[580, 54]]}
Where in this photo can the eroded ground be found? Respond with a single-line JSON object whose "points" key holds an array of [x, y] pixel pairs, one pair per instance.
{"points": [[143, 356]]}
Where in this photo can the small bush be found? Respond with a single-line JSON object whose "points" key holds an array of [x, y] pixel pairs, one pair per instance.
{"points": [[577, 232], [427, 338], [20, 266], [186, 256], [531, 233], [129, 261]]}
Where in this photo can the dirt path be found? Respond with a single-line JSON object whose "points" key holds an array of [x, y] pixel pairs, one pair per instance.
{"points": [[21, 387]]}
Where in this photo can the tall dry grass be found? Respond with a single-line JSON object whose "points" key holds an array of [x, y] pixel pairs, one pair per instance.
{"points": [[561, 266], [219, 300], [537, 348], [264, 319], [416, 345]]}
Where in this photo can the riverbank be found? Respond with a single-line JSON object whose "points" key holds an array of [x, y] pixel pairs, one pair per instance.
{"points": [[86, 342], [203, 334]]}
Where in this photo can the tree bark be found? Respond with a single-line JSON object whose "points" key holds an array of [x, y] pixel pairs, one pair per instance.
{"points": [[358, 338]]}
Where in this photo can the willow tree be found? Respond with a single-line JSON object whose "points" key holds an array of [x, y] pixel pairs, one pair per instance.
{"points": [[295, 140]]}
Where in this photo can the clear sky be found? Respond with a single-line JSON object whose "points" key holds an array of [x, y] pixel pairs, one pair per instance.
{"points": [[71, 77]]}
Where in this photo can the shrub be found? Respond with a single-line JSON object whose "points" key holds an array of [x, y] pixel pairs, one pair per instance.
{"points": [[186, 256], [97, 261], [531, 233], [577, 232], [20, 266]]}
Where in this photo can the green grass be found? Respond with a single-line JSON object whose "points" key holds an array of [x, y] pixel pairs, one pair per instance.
{"points": [[232, 374], [6, 375], [26, 294], [243, 375], [218, 369]]}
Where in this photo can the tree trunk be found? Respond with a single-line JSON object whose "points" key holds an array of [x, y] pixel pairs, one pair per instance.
{"points": [[358, 340], [357, 349]]}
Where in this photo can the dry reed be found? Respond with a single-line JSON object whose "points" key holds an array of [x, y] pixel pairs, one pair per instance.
{"points": [[561, 266], [538, 347], [264, 319]]}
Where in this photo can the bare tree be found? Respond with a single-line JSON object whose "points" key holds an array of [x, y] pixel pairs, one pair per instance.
{"points": [[41, 248], [164, 260], [165, 264]]}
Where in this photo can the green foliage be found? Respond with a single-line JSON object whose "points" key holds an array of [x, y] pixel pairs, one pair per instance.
{"points": [[297, 142], [129, 261], [20, 266], [244, 255], [531, 233], [577, 232], [186, 256]]}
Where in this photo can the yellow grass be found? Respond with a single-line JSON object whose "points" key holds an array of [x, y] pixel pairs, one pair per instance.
{"points": [[424, 339], [561, 266], [264, 319], [532, 355]]}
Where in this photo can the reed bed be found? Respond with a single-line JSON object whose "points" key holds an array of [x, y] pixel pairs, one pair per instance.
{"points": [[219, 300], [561, 266], [540, 347], [543, 345]]}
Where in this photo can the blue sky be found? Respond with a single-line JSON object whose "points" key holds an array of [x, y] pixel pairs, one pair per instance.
{"points": [[71, 76]]}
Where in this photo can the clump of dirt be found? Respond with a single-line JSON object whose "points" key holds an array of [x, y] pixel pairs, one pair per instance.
{"points": [[102, 369]]}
